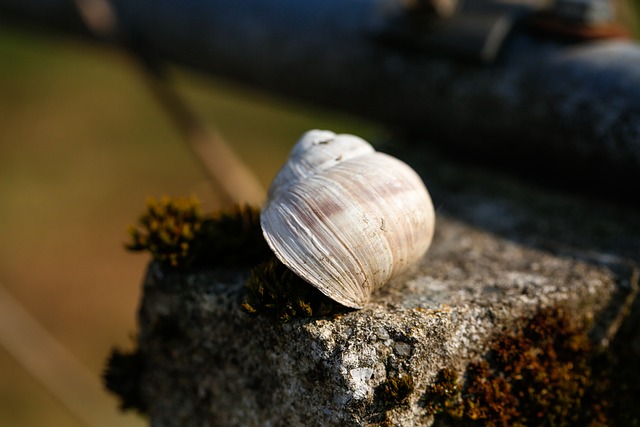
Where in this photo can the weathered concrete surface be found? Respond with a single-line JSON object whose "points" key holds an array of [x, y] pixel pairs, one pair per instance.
{"points": [[502, 251]]}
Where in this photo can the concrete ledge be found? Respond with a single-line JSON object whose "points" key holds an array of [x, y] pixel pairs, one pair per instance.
{"points": [[503, 251], [208, 361]]}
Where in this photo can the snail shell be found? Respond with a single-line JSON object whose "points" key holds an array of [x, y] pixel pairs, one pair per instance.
{"points": [[346, 218]]}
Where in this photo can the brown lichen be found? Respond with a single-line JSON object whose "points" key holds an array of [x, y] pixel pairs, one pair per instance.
{"points": [[395, 391], [275, 291], [443, 396], [539, 375]]}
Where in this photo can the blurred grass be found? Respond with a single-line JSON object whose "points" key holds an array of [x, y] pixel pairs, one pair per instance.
{"points": [[82, 145]]}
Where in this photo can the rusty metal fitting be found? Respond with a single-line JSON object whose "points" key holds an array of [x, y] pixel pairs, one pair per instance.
{"points": [[433, 8]]}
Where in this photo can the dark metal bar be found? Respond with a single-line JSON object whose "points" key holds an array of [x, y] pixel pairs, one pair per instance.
{"points": [[550, 105]]}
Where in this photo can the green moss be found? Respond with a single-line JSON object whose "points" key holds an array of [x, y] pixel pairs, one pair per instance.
{"points": [[122, 377], [232, 238], [275, 291], [443, 396], [488, 399], [179, 235], [168, 229], [539, 375], [395, 391]]}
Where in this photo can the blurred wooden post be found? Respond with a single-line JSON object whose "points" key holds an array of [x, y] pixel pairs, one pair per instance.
{"points": [[53, 366]]}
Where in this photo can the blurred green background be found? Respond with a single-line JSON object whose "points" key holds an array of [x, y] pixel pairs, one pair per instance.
{"points": [[82, 145]]}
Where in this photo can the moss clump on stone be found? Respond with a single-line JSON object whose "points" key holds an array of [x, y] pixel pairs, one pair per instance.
{"points": [[122, 377], [540, 375], [232, 238], [275, 291], [168, 229], [443, 396], [395, 391], [179, 235]]}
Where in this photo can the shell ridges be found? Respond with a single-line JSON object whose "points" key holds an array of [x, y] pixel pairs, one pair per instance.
{"points": [[346, 218]]}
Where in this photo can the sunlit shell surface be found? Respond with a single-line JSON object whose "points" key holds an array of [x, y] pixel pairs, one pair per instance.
{"points": [[346, 218]]}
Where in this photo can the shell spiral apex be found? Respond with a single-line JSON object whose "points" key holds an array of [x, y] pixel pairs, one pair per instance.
{"points": [[346, 218]]}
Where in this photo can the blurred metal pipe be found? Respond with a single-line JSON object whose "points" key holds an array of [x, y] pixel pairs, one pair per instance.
{"points": [[546, 104]]}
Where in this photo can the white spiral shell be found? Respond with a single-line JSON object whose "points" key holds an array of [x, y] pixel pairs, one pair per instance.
{"points": [[346, 218]]}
